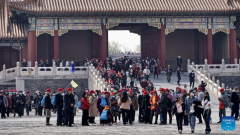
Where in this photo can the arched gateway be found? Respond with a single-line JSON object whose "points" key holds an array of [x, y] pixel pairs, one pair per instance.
{"points": [[52, 29]]}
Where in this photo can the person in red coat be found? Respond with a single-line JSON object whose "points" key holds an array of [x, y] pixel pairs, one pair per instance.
{"points": [[156, 70], [9, 104], [85, 108], [153, 101]]}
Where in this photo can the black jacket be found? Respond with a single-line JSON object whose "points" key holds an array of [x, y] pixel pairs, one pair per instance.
{"points": [[48, 104], [179, 61], [59, 100], [178, 73], [68, 100], [145, 102], [163, 101], [192, 76], [140, 101], [235, 98], [175, 109], [170, 71]]}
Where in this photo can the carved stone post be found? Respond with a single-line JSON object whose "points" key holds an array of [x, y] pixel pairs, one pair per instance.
{"points": [[18, 69], [223, 86], [4, 71], [213, 81], [206, 64], [54, 68], [192, 66], [205, 75], [36, 68], [218, 85], [223, 65]]}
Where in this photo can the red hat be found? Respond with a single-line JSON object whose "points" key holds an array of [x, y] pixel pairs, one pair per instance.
{"points": [[145, 93], [154, 91], [199, 88], [131, 91], [6, 90], [221, 90], [167, 89], [143, 89], [27, 91], [111, 81], [103, 92], [183, 90], [112, 94], [87, 93], [60, 89], [151, 92], [176, 88], [119, 90], [48, 90], [127, 89], [107, 92], [92, 91], [69, 89], [162, 89]]}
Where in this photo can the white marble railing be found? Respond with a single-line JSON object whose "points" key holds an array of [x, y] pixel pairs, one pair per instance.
{"points": [[40, 71], [213, 86]]}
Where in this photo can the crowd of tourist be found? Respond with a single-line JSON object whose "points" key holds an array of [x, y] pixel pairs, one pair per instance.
{"points": [[123, 98]]}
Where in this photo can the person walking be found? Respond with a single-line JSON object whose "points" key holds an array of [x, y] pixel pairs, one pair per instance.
{"points": [[179, 61], [93, 107], [59, 106], [192, 79], [9, 104], [146, 107], [223, 103], [69, 107], [185, 117], [207, 105], [235, 103], [102, 102], [168, 73], [153, 101], [85, 109], [114, 106], [3, 104], [20, 103], [163, 106], [200, 98], [48, 107], [189, 109], [178, 75], [28, 102], [146, 73], [125, 103], [169, 104], [75, 106], [134, 105], [178, 111], [156, 70]]}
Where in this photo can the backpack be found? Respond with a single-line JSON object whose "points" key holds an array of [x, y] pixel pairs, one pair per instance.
{"points": [[43, 101], [79, 105], [104, 115], [103, 102], [53, 101], [169, 103]]}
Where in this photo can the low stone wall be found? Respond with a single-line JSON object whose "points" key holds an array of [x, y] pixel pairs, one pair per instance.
{"points": [[230, 81], [42, 84]]}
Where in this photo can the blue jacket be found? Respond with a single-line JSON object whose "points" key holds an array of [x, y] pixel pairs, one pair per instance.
{"points": [[187, 103]]}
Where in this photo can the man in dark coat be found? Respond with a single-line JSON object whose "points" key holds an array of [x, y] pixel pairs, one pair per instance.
{"points": [[20, 103], [140, 120], [163, 106], [59, 105], [69, 107], [168, 73], [146, 107], [48, 107], [235, 103], [178, 75], [3, 104], [192, 79], [124, 79], [179, 61]]}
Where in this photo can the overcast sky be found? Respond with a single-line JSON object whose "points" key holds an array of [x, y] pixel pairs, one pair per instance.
{"points": [[124, 37]]}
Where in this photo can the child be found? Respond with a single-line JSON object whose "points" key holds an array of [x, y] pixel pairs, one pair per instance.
{"points": [[207, 105], [178, 110], [114, 106], [106, 117]]}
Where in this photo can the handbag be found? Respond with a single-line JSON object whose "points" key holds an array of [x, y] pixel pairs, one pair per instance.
{"points": [[158, 110], [221, 106]]}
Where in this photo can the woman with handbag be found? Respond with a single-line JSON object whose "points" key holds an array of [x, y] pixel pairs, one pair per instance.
{"points": [[207, 105], [153, 101]]}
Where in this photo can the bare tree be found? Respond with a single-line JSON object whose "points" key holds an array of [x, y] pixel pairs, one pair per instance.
{"points": [[114, 47], [137, 49]]}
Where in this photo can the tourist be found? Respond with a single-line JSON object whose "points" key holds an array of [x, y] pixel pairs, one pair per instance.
{"points": [[223, 103], [124, 79], [185, 117], [48, 107], [101, 102], [203, 85], [178, 110], [85, 109], [125, 103], [207, 105], [114, 107], [134, 105], [153, 101], [192, 79], [146, 73], [69, 103], [140, 112], [28, 102], [189, 109], [75, 106], [24, 63], [59, 105], [153, 62], [3, 104], [20, 103], [163, 106], [168, 73], [146, 107], [13, 98], [235, 103], [9, 104], [178, 75], [93, 107], [170, 104], [200, 98], [106, 117], [119, 95], [38, 105]]}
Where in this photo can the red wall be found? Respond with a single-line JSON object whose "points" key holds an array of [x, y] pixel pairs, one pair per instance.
{"points": [[96, 45]]}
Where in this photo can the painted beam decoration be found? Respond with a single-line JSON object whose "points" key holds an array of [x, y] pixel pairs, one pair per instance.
{"points": [[45, 26], [220, 24]]}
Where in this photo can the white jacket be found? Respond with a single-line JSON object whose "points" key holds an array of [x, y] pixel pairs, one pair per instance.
{"points": [[146, 71], [207, 104]]}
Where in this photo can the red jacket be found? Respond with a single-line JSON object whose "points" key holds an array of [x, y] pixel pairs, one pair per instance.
{"points": [[157, 98], [9, 102], [85, 104]]}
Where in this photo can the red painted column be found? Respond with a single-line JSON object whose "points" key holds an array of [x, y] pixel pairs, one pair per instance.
{"points": [[56, 45], [232, 46], [159, 44], [32, 44], [163, 47], [103, 48], [209, 47], [205, 49]]}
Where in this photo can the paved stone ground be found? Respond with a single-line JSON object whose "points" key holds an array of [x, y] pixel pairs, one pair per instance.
{"points": [[34, 125]]}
